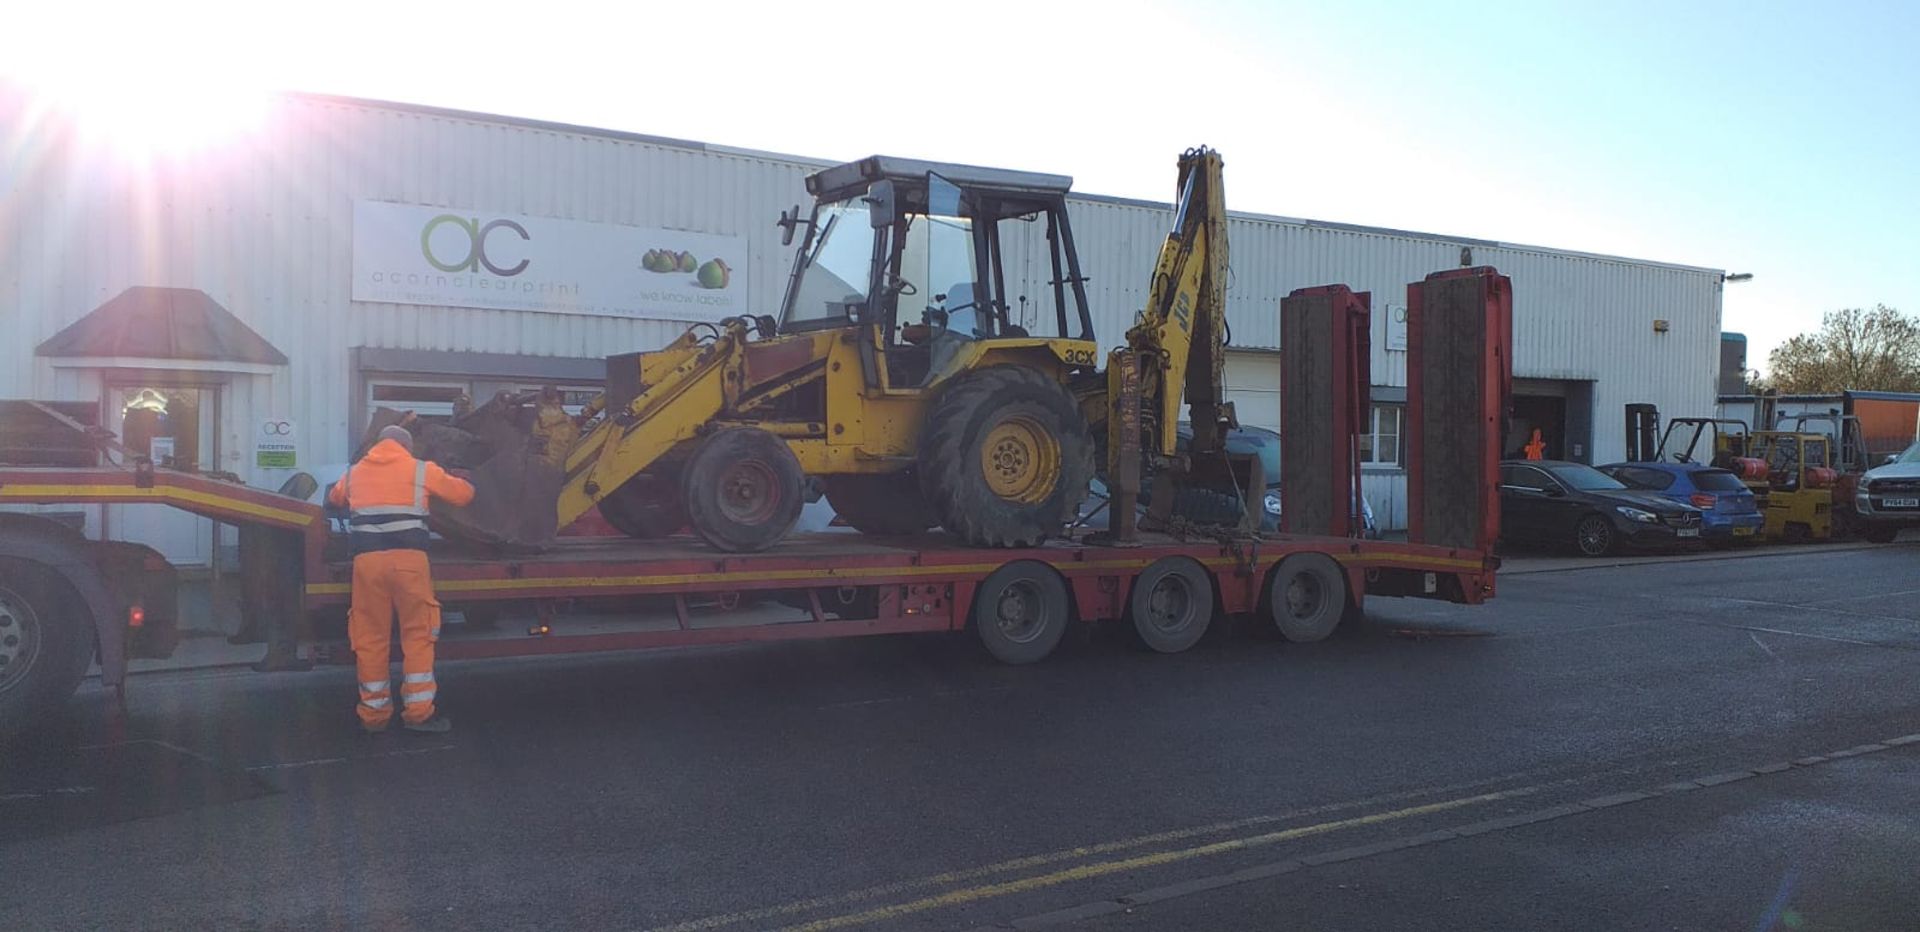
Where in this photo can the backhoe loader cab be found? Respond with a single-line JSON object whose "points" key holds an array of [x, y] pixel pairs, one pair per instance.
{"points": [[917, 254]]}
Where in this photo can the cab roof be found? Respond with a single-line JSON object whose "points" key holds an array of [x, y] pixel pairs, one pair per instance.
{"points": [[852, 178]]}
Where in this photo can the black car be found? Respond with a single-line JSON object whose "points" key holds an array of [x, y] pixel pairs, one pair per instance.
{"points": [[1209, 508], [1559, 503]]}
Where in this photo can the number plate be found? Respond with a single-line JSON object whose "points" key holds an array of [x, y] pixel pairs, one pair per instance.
{"points": [[1743, 532], [1900, 503], [1687, 532]]}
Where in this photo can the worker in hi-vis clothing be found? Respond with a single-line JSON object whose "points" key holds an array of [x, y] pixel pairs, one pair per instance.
{"points": [[386, 497]]}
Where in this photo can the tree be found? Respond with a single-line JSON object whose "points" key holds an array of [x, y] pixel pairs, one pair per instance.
{"points": [[1876, 350]]}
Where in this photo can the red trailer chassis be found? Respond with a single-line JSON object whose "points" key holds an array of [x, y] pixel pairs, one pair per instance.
{"points": [[873, 586]]}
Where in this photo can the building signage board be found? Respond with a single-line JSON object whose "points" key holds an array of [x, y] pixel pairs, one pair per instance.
{"points": [[273, 446], [413, 254], [1396, 327]]}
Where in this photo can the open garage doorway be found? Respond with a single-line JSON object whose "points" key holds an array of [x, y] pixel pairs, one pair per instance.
{"points": [[1561, 410]]}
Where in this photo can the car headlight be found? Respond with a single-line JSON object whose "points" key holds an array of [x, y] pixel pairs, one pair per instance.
{"points": [[1638, 514], [1272, 503]]}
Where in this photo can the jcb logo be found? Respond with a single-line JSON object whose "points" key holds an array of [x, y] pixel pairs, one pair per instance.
{"points": [[476, 241]]}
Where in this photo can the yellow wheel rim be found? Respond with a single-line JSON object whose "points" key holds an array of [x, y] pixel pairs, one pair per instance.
{"points": [[1020, 460]]}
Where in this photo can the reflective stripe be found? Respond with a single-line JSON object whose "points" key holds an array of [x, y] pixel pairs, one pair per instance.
{"points": [[417, 698], [376, 686], [376, 512], [377, 703], [420, 485], [435, 633], [402, 524], [420, 677]]}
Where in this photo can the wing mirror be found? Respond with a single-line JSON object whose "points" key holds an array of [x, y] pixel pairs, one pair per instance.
{"points": [[789, 220], [1891, 457], [1554, 491], [880, 203]]}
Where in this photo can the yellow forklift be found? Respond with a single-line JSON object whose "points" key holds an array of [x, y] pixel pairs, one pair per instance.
{"points": [[1797, 492]]}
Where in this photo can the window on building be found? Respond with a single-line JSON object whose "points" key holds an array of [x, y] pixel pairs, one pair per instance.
{"points": [[1380, 442], [431, 401]]}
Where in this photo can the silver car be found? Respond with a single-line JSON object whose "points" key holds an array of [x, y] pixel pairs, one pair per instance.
{"points": [[1888, 496]]}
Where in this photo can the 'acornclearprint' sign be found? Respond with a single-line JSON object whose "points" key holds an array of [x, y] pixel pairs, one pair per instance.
{"points": [[409, 254]]}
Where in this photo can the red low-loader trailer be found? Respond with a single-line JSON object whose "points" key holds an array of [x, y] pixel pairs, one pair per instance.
{"points": [[67, 601]]}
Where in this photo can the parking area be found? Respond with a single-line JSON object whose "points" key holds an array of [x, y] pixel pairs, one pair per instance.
{"points": [[1695, 742]]}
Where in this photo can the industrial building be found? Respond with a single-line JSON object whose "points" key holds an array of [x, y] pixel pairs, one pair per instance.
{"points": [[245, 308]]}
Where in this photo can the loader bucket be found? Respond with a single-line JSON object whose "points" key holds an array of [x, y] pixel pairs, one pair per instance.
{"points": [[516, 489]]}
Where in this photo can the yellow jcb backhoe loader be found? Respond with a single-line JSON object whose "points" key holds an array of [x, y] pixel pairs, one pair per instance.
{"points": [[905, 376]]}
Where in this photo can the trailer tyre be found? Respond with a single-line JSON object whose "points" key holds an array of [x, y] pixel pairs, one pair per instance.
{"points": [[1308, 597], [884, 504], [743, 489], [1005, 457], [46, 642], [1171, 605], [1021, 611], [646, 507]]}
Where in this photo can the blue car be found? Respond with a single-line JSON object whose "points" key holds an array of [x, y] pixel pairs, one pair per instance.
{"points": [[1728, 510]]}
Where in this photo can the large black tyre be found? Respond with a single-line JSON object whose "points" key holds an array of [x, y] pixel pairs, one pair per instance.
{"points": [[743, 489], [1171, 604], [1021, 611], [46, 642], [1593, 536], [646, 507], [1308, 597], [1876, 534], [1005, 457], [888, 504]]}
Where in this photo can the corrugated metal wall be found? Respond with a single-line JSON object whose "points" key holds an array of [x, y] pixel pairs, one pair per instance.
{"points": [[264, 226]]}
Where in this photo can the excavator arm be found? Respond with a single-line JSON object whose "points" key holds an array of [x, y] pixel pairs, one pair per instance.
{"points": [[1178, 344], [1177, 348]]}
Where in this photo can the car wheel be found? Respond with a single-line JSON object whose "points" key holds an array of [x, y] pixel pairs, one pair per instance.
{"points": [[1881, 535], [1593, 536]]}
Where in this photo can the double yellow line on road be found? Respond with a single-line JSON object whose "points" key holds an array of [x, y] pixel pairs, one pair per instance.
{"points": [[1067, 875]]}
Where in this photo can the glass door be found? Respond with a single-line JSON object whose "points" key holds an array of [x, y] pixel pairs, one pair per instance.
{"points": [[176, 426]]}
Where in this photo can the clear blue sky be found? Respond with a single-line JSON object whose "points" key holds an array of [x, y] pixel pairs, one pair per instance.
{"points": [[1772, 138]]}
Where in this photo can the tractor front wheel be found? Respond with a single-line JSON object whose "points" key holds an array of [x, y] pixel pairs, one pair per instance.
{"points": [[743, 489]]}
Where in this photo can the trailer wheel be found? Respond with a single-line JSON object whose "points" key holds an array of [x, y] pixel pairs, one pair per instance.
{"points": [[1171, 605], [646, 507], [1005, 457], [743, 489], [46, 642], [1308, 597], [1020, 612], [888, 504]]}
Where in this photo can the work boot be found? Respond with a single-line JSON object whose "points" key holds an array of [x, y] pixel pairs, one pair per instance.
{"points": [[439, 724]]}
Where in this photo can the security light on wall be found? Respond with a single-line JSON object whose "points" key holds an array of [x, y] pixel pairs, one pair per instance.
{"points": [[1660, 326]]}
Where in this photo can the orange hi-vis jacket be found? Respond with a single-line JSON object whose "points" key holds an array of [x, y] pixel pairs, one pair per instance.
{"points": [[386, 496]]}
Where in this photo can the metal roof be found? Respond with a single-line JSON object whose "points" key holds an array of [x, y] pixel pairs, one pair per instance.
{"points": [[822, 164], [145, 322]]}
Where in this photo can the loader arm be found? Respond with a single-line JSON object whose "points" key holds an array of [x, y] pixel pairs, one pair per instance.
{"points": [[682, 391], [1178, 345]]}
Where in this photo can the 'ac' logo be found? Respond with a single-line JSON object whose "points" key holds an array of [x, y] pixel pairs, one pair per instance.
{"points": [[476, 237]]}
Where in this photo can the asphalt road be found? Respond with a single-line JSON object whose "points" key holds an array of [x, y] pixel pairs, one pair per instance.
{"points": [[1727, 744]]}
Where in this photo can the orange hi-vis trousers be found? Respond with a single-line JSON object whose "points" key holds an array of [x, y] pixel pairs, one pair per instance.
{"points": [[385, 581]]}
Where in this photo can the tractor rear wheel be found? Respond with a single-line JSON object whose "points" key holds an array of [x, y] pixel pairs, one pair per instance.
{"points": [[882, 504], [1005, 457], [743, 489], [646, 507]]}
